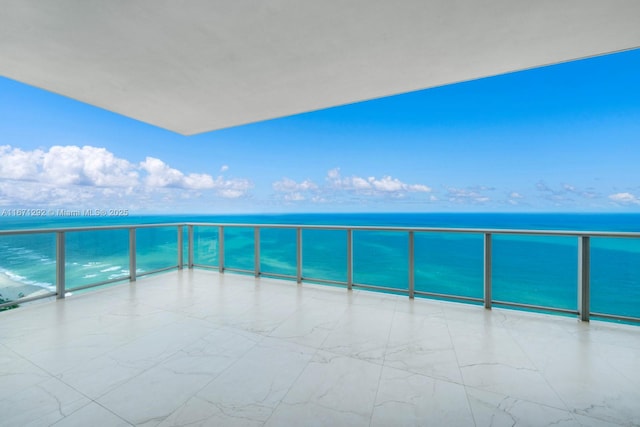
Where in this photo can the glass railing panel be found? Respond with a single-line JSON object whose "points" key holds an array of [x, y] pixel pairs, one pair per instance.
{"points": [[449, 264], [96, 256], [324, 255], [615, 276], [278, 251], [156, 248], [381, 259], [205, 246], [185, 247], [27, 265], [239, 248], [536, 270]]}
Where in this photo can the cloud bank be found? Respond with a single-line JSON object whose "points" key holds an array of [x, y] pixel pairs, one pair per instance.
{"points": [[337, 188], [78, 176], [624, 199], [75, 177]]}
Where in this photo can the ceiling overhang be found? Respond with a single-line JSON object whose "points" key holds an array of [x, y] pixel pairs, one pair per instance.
{"points": [[200, 65]]}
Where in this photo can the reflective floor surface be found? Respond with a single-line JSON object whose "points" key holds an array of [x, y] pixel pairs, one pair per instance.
{"points": [[197, 348]]}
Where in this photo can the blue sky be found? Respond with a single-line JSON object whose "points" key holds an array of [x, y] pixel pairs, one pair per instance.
{"points": [[563, 138]]}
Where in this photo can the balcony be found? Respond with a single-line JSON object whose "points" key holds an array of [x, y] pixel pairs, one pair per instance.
{"points": [[201, 347]]}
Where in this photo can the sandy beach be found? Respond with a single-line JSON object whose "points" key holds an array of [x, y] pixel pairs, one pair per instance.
{"points": [[11, 289]]}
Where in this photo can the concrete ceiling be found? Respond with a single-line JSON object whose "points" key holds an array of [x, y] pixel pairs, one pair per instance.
{"points": [[193, 66]]}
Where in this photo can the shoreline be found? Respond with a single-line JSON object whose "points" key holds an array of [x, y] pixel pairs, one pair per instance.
{"points": [[11, 289]]}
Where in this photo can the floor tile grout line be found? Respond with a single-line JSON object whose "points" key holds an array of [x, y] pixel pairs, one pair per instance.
{"points": [[89, 403], [455, 352], [344, 313], [384, 357], [219, 374], [160, 361], [511, 332], [302, 371], [51, 376], [520, 399], [539, 370], [218, 327]]}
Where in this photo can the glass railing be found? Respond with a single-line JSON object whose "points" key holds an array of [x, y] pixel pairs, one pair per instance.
{"points": [[588, 274]]}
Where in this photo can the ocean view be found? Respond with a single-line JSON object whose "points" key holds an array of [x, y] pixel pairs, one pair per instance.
{"points": [[534, 270], [362, 214]]}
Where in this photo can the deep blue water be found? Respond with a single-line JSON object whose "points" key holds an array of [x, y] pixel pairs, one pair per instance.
{"points": [[537, 270]]}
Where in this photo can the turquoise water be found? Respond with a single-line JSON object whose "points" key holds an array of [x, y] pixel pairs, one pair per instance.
{"points": [[537, 270]]}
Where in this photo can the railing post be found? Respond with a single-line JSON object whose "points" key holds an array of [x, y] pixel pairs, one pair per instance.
{"points": [[412, 272], [60, 265], [584, 279], [349, 258], [487, 270], [132, 255], [256, 251], [299, 255], [190, 245], [180, 247], [221, 249]]}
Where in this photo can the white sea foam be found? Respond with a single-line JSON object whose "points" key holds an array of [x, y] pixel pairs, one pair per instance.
{"points": [[25, 254], [21, 280], [15, 289], [93, 264], [114, 268], [13, 276]]}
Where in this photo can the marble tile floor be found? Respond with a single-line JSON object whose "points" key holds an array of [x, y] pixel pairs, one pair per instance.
{"points": [[197, 348]]}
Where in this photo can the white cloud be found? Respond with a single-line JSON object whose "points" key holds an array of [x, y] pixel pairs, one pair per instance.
{"points": [[87, 166], [224, 168], [30, 194], [294, 197], [18, 164], [468, 195], [81, 176], [372, 185], [357, 183], [566, 194], [65, 165], [287, 185], [232, 188], [199, 181], [625, 198], [230, 193], [514, 198], [387, 184], [159, 174], [333, 173], [295, 191], [354, 189]]}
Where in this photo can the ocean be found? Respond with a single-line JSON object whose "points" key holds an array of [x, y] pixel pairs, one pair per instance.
{"points": [[534, 270]]}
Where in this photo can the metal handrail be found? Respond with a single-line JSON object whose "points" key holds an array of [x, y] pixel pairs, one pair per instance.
{"points": [[583, 259], [573, 233], [94, 228]]}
